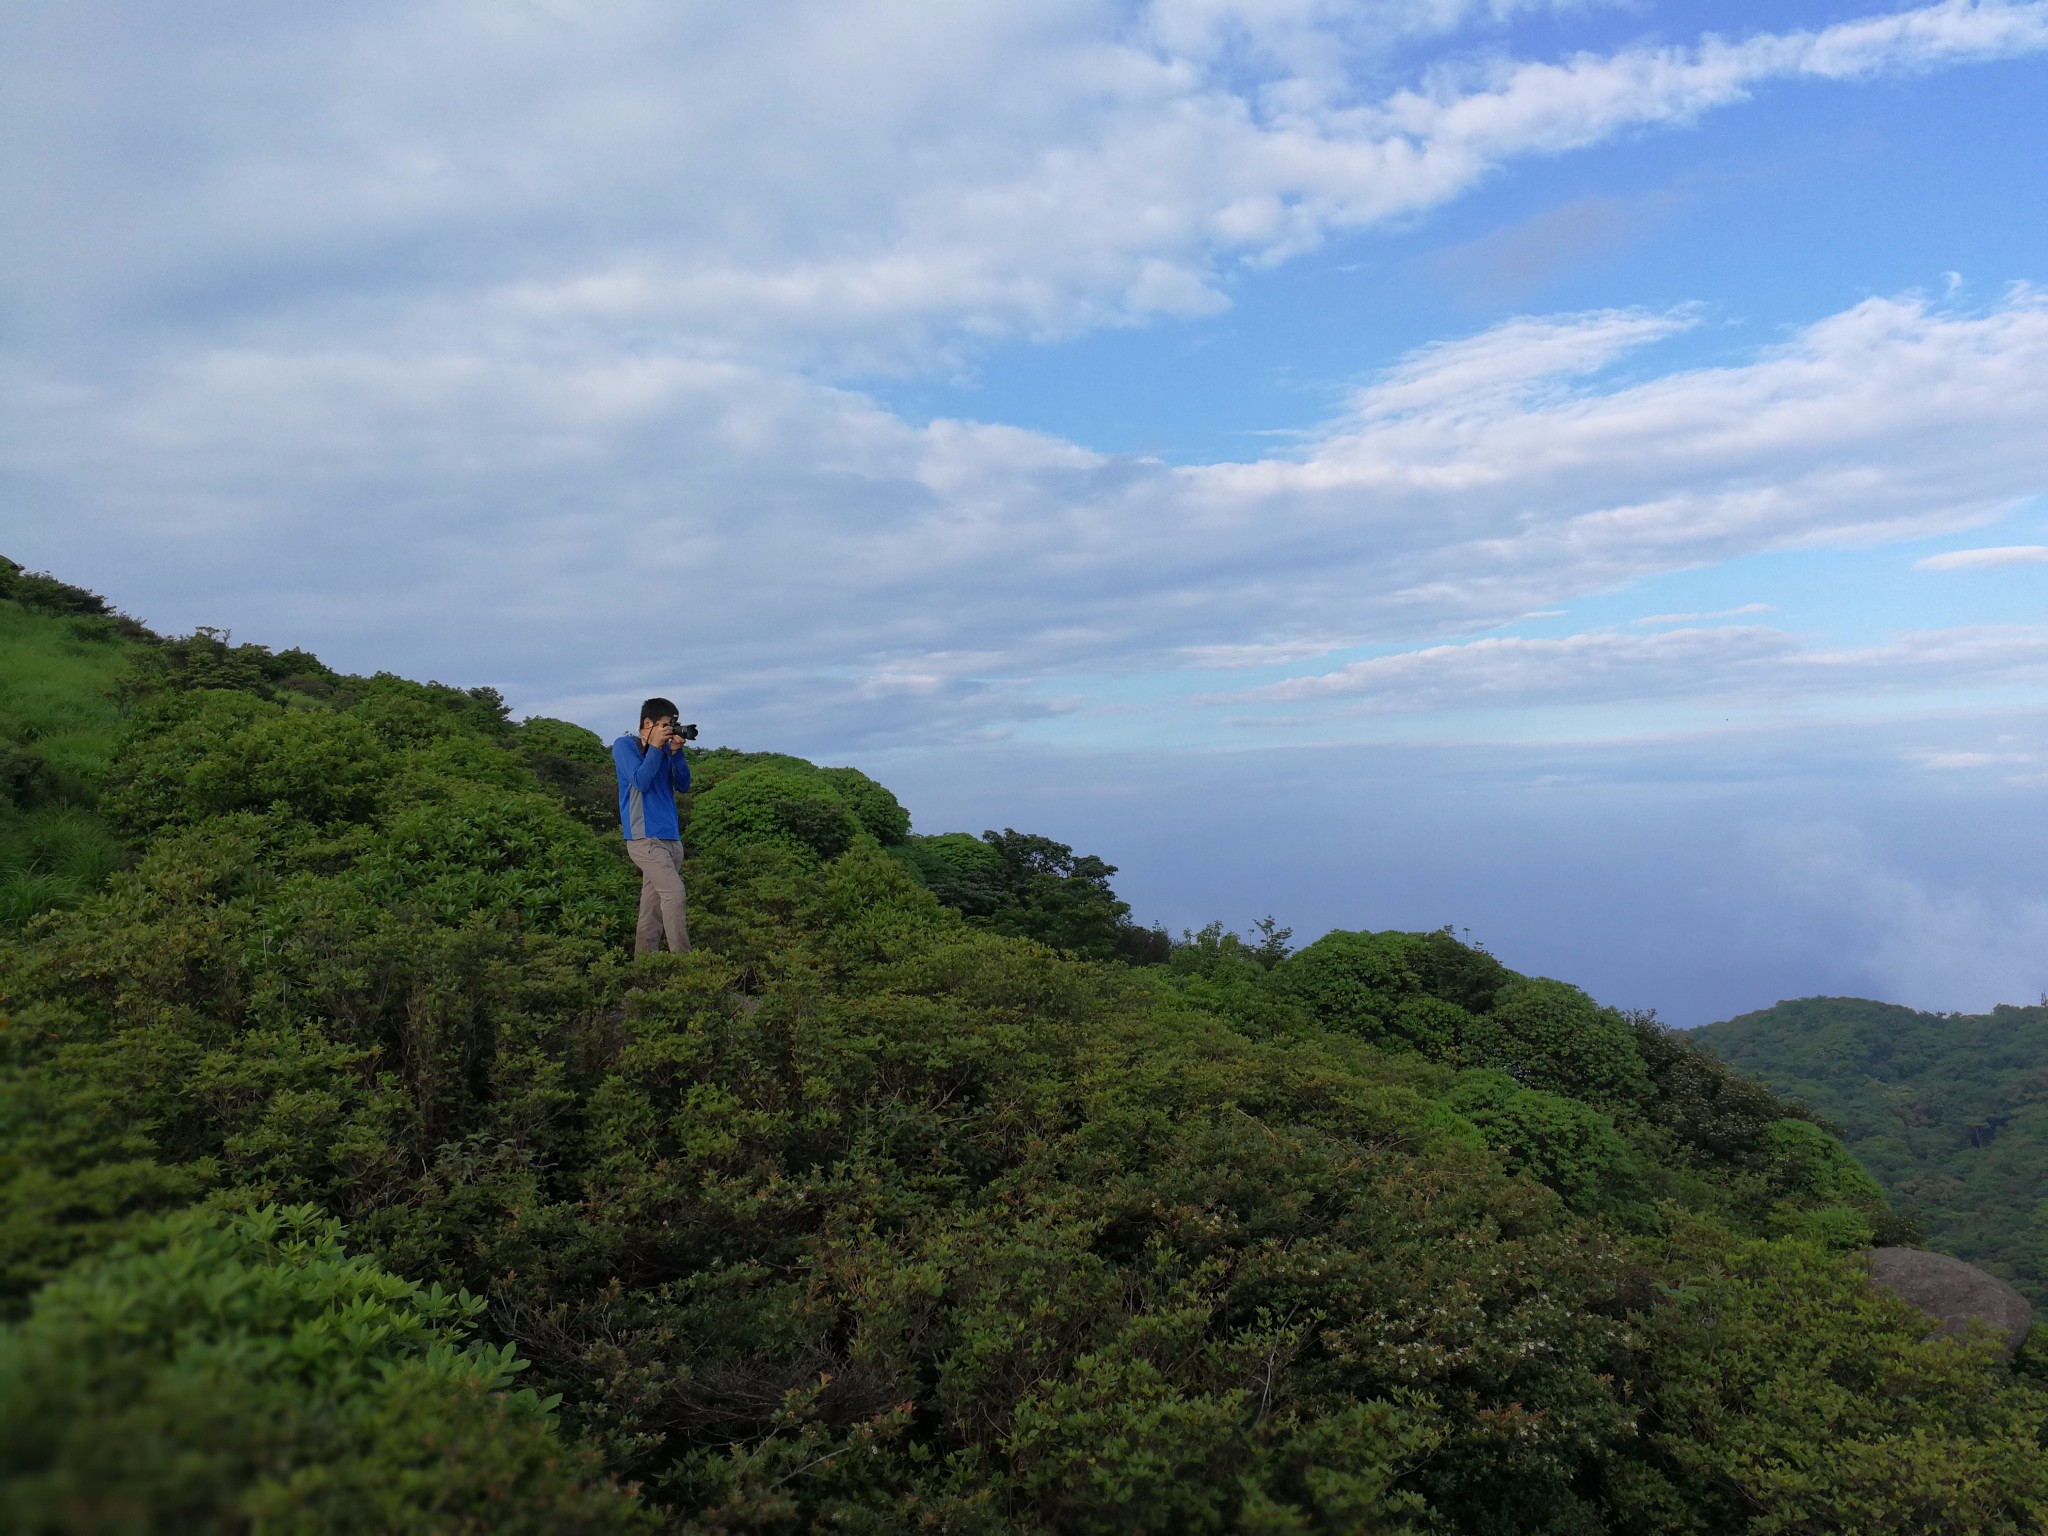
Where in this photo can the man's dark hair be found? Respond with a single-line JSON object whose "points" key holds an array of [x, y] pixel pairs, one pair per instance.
{"points": [[657, 709]]}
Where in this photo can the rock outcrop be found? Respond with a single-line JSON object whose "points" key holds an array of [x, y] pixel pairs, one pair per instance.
{"points": [[1953, 1293]]}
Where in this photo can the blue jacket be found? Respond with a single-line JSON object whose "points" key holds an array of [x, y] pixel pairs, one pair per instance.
{"points": [[648, 785]]}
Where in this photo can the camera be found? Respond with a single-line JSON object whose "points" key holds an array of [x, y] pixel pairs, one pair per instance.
{"points": [[684, 732]]}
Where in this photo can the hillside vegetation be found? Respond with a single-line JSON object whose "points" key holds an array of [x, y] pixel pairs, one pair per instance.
{"points": [[356, 1178], [1949, 1111]]}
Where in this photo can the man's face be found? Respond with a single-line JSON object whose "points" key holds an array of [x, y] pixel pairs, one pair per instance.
{"points": [[659, 731]]}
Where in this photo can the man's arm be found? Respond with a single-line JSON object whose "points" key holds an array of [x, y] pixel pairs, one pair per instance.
{"points": [[679, 770]]}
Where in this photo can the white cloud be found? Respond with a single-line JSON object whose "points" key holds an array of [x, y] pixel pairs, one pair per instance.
{"points": [[835, 568], [1928, 943], [1126, 194], [850, 186], [1852, 431], [1598, 667], [1225, 658], [1955, 760], [1749, 663], [1744, 611], [1976, 559]]}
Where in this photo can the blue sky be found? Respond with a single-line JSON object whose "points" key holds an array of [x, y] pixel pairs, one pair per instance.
{"points": [[1570, 470]]}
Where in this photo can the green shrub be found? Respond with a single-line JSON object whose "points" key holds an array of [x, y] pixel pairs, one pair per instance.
{"points": [[1353, 981], [25, 779], [1713, 1114], [223, 1373], [713, 765], [1416, 990], [964, 872], [1787, 1395], [219, 753], [40, 593], [1456, 1004], [403, 714], [1564, 1144], [1223, 974], [875, 808], [207, 659], [576, 767], [1056, 896], [800, 814], [1810, 1163], [561, 738], [1837, 1228], [1551, 1035], [493, 852]]}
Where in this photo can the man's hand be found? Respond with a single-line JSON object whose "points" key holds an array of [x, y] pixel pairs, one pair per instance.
{"points": [[659, 732]]}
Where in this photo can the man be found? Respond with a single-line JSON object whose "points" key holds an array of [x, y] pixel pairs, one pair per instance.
{"points": [[652, 772]]}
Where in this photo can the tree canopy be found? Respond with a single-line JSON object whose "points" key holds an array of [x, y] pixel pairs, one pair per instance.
{"points": [[1948, 1111]]}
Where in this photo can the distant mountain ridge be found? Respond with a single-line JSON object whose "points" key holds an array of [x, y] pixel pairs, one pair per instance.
{"points": [[1948, 1111]]}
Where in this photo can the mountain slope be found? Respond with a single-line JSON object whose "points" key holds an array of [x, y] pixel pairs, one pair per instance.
{"points": [[353, 1176], [1949, 1111]]}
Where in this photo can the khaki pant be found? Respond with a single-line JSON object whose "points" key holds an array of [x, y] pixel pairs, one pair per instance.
{"points": [[661, 894]]}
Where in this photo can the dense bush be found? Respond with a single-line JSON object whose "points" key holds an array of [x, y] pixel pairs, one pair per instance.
{"points": [[38, 592], [872, 805], [960, 869], [881, 816], [575, 766], [236, 1373], [1560, 1142], [1705, 1112], [561, 738], [1551, 1035], [799, 814], [1457, 1004], [1818, 1166], [1789, 1397], [479, 853], [1414, 990], [216, 752], [1056, 896]]}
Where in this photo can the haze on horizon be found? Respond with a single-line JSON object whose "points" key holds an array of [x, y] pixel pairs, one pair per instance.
{"points": [[1571, 470]]}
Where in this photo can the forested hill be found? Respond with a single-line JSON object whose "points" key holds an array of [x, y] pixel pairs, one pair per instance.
{"points": [[1948, 1110], [355, 1177]]}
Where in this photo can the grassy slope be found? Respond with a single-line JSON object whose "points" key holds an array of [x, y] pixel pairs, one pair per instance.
{"points": [[59, 717], [1950, 1112]]}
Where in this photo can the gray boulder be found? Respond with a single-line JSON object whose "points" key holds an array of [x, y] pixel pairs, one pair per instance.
{"points": [[1952, 1293]]}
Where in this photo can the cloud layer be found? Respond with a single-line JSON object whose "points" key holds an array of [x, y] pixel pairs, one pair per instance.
{"points": [[1752, 664], [1979, 559], [510, 329], [837, 563], [848, 186]]}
